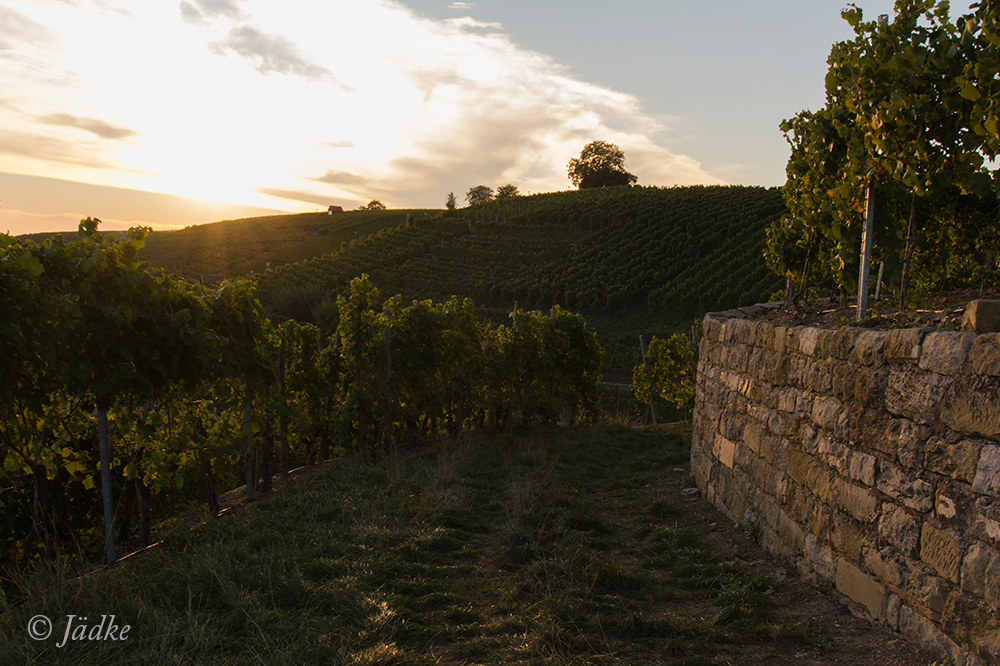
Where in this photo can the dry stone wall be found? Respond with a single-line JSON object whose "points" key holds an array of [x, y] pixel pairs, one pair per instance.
{"points": [[869, 458]]}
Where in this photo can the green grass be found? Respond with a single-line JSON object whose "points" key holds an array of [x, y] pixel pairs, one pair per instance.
{"points": [[543, 548]]}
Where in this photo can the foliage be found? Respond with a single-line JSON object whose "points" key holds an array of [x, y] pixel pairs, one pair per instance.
{"points": [[374, 204], [979, 84], [669, 371], [450, 202], [233, 248], [479, 194], [199, 389], [601, 164], [507, 191], [899, 120], [678, 251]]}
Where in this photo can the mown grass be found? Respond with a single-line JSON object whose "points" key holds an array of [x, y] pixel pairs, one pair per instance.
{"points": [[546, 548]]}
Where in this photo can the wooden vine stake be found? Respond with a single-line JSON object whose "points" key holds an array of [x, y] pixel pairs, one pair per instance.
{"points": [[387, 338], [649, 405], [866, 253]]}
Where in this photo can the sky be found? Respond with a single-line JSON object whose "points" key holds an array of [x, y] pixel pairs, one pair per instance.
{"points": [[170, 113]]}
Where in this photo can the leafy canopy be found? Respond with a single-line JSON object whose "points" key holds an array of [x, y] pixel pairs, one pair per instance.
{"points": [[479, 194], [601, 164]]}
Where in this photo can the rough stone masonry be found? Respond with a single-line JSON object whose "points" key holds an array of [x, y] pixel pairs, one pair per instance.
{"points": [[870, 459]]}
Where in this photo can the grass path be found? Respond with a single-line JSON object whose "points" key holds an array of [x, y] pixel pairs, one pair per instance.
{"points": [[546, 548]]}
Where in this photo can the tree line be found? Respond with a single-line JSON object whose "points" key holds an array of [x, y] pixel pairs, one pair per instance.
{"points": [[601, 164]]}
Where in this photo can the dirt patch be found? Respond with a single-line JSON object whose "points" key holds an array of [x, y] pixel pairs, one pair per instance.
{"points": [[852, 640], [943, 310]]}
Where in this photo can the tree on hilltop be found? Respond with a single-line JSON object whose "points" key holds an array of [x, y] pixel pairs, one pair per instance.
{"points": [[507, 192], [375, 204], [479, 194], [601, 164]]}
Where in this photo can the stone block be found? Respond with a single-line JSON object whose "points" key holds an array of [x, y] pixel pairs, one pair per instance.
{"points": [[821, 481], [910, 442], [945, 352], [899, 528], [929, 591], [780, 337], [903, 345], [914, 493], [982, 316], [842, 342], [744, 457], [875, 430], [886, 565], [987, 527], [791, 533], [973, 406], [787, 399], [940, 549], [724, 451], [868, 348], [919, 630], [808, 339], [987, 480], [984, 357], [868, 388], [819, 556], [862, 467], [797, 465], [914, 394], [832, 452], [713, 328], [843, 382], [752, 433], [820, 520], [892, 613], [988, 645], [857, 501], [992, 584], [862, 589], [825, 412], [955, 459], [846, 537], [945, 507], [975, 564], [773, 448]]}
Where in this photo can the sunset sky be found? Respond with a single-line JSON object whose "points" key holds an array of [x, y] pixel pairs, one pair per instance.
{"points": [[175, 113]]}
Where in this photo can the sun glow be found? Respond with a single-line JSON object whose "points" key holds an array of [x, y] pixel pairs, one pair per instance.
{"points": [[289, 104]]}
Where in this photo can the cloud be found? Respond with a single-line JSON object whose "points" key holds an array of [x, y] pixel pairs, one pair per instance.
{"points": [[462, 6], [419, 107], [271, 53], [92, 125], [343, 178], [294, 195], [42, 148], [202, 10], [20, 29]]}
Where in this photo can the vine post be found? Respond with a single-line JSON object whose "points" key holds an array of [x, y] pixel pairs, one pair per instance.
{"points": [[109, 515], [866, 252], [649, 405], [387, 338]]}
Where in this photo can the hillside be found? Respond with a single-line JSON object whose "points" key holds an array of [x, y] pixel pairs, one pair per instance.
{"points": [[237, 247], [631, 259]]}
